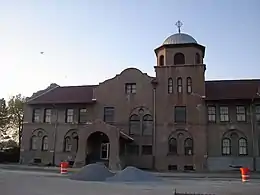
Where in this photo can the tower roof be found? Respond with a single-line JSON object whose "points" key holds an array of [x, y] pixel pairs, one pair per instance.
{"points": [[179, 38]]}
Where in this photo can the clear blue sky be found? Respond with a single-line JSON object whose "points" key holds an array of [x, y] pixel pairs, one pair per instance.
{"points": [[88, 41]]}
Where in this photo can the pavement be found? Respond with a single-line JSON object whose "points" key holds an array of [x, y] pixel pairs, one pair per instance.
{"points": [[198, 175], [29, 182]]}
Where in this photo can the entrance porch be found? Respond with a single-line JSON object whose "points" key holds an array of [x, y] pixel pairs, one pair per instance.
{"points": [[101, 143]]}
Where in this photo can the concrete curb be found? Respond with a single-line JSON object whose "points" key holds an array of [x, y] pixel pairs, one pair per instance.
{"points": [[234, 175]]}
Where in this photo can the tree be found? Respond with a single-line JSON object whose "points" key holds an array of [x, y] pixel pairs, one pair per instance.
{"points": [[16, 113], [4, 119]]}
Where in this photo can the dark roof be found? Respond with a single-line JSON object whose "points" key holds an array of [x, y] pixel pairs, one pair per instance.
{"points": [[232, 89], [64, 95], [215, 90]]}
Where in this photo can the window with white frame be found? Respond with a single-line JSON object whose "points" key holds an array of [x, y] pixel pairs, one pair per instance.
{"points": [[257, 113], [104, 153], [34, 142], [211, 113], [226, 146], [36, 115], [242, 143], [130, 88], [82, 115], [69, 115], [241, 113], [45, 144], [189, 85], [47, 115], [170, 85], [179, 85], [224, 115]]}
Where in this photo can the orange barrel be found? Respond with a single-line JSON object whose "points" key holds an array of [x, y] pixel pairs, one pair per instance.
{"points": [[64, 167], [244, 174]]}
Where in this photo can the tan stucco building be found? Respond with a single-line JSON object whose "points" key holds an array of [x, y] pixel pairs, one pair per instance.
{"points": [[173, 121]]}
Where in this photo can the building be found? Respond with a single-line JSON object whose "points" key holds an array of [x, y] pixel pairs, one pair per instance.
{"points": [[173, 121]]}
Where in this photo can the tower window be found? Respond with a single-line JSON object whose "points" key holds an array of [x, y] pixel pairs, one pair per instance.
{"points": [[161, 60], [189, 85], [179, 58], [197, 58], [170, 85], [179, 85]]}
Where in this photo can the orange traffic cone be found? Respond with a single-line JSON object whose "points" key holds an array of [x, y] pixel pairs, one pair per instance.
{"points": [[244, 174], [64, 167]]}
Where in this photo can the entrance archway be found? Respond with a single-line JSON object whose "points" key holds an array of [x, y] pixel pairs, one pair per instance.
{"points": [[97, 150]]}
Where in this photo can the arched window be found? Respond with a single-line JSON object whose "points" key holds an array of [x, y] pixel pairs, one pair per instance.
{"points": [[226, 146], [170, 85], [179, 58], [179, 85], [67, 144], [45, 145], [172, 146], [147, 125], [242, 144], [134, 125], [189, 85], [197, 58], [188, 147], [34, 142], [161, 60]]}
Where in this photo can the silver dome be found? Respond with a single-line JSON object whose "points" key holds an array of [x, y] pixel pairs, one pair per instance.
{"points": [[179, 38]]}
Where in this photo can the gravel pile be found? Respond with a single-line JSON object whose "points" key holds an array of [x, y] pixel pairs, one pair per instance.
{"points": [[133, 174], [92, 172]]}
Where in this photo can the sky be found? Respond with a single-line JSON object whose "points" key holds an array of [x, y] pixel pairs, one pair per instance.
{"points": [[88, 41]]}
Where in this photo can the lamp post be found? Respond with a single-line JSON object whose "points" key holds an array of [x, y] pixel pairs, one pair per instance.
{"points": [[198, 107]]}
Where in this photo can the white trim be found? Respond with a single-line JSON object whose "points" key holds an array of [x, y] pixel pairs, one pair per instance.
{"points": [[42, 94], [124, 134]]}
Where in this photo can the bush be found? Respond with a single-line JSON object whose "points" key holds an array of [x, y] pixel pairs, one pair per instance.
{"points": [[10, 155]]}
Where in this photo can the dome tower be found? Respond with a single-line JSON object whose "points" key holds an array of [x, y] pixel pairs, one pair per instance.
{"points": [[180, 95]]}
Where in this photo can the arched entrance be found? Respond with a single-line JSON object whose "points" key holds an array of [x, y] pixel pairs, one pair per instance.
{"points": [[97, 150]]}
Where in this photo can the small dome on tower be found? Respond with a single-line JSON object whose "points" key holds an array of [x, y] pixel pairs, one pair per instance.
{"points": [[179, 38]]}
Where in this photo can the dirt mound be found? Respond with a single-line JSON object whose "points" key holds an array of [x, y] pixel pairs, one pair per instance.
{"points": [[133, 174], [92, 172]]}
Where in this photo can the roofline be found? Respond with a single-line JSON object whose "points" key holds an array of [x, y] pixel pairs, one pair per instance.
{"points": [[29, 100]]}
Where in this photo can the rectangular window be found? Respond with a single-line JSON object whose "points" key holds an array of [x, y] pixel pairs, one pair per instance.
{"points": [[47, 115], [36, 115], [180, 114], [211, 113], [241, 113], [257, 113], [224, 116], [130, 88], [69, 115], [104, 153], [109, 113], [147, 150], [133, 149], [82, 115]]}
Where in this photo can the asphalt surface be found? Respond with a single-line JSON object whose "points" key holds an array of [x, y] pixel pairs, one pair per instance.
{"points": [[20, 182]]}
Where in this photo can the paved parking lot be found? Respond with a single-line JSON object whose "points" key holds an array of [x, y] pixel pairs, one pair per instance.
{"points": [[19, 182]]}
